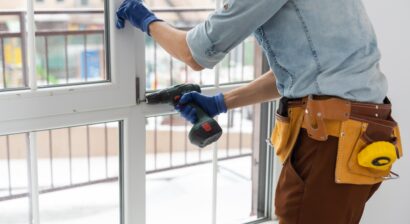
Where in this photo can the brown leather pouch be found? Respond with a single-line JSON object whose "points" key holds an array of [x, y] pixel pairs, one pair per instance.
{"points": [[286, 131], [319, 112], [354, 136]]}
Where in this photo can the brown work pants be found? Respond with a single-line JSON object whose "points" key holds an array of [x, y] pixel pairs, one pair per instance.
{"points": [[307, 192]]}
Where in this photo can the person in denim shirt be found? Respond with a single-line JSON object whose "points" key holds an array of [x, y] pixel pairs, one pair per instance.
{"points": [[314, 47]]}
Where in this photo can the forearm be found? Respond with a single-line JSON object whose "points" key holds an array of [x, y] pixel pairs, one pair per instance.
{"points": [[260, 90], [174, 42]]}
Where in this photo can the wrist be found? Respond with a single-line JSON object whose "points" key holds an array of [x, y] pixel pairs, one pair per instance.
{"points": [[220, 103], [149, 26], [230, 100]]}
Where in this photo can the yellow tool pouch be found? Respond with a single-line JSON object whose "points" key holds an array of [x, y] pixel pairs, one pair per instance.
{"points": [[355, 135], [286, 131], [357, 125]]}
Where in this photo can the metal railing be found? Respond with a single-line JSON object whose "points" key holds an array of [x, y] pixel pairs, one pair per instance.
{"points": [[46, 35], [43, 37], [168, 146], [14, 35], [56, 158], [52, 157]]}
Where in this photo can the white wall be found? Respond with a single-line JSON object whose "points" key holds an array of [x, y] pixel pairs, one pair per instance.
{"points": [[391, 20]]}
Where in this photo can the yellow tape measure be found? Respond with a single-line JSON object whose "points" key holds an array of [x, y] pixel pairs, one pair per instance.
{"points": [[378, 155]]}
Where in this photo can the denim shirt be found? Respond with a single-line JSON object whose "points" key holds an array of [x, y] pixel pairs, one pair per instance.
{"points": [[320, 47]]}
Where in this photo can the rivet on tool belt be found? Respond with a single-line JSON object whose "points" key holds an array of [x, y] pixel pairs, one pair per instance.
{"points": [[319, 110]]}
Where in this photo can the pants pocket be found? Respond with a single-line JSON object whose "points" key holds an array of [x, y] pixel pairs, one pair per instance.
{"points": [[289, 194]]}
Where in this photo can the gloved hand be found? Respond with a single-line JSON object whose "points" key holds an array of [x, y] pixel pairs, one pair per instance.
{"points": [[213, 105], [135, 12]]}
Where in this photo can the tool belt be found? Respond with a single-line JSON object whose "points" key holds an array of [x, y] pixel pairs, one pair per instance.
{"points": [[362, 128]]}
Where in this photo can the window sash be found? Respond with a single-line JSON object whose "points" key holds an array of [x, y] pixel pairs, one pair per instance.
{"points": [[120, 92]]}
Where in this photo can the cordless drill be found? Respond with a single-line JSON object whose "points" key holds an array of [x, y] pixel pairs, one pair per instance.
{"points": [[206, 130]]}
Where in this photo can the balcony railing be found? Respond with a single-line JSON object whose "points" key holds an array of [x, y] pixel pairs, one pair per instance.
{"points": [[20, 38], [13, 55]]}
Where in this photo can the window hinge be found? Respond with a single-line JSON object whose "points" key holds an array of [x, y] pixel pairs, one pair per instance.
{"points": [[137, 91]]}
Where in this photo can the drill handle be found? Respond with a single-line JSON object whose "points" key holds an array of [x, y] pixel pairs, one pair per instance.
{"points": [[200, 113]]}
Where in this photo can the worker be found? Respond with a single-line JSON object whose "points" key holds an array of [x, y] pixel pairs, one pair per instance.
{"points": [[324, 62]]}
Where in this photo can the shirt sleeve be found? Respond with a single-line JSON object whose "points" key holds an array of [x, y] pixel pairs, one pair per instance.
{"points": [[226, 28]]}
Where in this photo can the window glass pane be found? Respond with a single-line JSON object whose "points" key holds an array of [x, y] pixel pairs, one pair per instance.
{"points": [[179, 175], [14, 202], [78, 171], [70, 42], [238, 65], [163, 71], [238, 182], [13, 73], [179, 180]]}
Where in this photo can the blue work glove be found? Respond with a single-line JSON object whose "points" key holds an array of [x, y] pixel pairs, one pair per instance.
{"points": [[213, 105], [135, 12]]}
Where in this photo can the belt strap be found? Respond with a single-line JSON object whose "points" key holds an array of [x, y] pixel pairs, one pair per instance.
{"points": [[324, 114]]}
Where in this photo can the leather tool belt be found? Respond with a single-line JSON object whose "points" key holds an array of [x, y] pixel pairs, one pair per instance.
{"points": [[355, 124]]}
